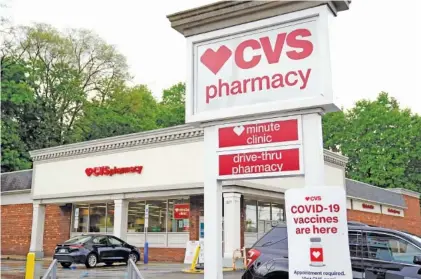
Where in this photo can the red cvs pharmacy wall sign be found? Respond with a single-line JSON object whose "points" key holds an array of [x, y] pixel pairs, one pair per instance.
{"points": [[110, 171], [281, 67]]}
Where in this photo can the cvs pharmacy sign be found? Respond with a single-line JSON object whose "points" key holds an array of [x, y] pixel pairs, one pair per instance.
{"points": [[264, 51], [241, 70], [301, 49]]}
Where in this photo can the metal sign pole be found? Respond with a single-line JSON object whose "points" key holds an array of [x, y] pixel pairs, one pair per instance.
{"points": [[146, 246]]}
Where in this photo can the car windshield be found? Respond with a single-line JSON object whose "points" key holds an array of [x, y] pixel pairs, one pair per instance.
{"points": [[78, 239], [276, 237]]}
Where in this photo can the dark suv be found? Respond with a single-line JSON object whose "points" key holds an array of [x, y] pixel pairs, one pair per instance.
{"points": [[373, 249]]}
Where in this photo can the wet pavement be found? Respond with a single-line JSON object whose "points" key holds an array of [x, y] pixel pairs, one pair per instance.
{"points": [[14, 269]]}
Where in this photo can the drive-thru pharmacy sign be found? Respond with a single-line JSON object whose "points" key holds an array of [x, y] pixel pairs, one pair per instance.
{"points": [[267, 66], [317, 229]]}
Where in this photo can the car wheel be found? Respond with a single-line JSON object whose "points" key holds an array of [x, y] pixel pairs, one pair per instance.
{"points": [[108, 263], [91, 261], [133, 257], [66, 265]]}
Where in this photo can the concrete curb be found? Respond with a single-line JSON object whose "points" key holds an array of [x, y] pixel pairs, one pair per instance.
{"points": [[17, 258]]}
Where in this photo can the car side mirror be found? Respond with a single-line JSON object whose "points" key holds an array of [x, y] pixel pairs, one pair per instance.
{"points": [[417, 259]]}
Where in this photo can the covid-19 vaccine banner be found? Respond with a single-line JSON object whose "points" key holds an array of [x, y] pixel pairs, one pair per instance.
{"points": [[317, 233]]}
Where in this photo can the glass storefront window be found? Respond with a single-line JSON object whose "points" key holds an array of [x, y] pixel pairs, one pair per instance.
{"points": [[80, 218], [264, 216], [97, 218], [110, 217], [136, 217], [157, 215], [93, 218], [251, 216], [174, 217], [277, 212], [178, 215], [260, 216]]}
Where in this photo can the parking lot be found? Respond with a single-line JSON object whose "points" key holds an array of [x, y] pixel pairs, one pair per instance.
{"points": [[16, 269]]}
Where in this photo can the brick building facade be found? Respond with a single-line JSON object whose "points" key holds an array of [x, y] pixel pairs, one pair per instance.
{"points": [[17, 222], [411, 222]]}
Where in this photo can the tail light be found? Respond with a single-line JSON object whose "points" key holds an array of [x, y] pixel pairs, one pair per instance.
{"points": [[75, 246], [252, 255]]}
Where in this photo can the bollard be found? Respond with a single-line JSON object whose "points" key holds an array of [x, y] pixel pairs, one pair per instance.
{"points": [[30, 266], [195, 257], [146, 253]]}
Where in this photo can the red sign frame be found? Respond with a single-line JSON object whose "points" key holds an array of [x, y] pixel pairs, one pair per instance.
{"points": [[181, 211], [279, 161], [259, 133]]}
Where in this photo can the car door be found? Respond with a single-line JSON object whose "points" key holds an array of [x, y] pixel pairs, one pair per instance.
{"points": [[355, 238], [386, 251], [102, 247], [118, 248]]}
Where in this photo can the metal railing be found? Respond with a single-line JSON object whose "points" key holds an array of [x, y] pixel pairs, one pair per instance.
{"points": [[51, 272], [132, 271]]}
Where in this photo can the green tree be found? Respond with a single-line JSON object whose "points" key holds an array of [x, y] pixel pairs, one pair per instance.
{"points": [[171, 110], [381, 140], [16, 102], [66, 70], [127, 111]]}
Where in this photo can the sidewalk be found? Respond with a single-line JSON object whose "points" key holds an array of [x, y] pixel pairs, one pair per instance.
{"points": [[151, 265], [50, 259], [13, 266]]}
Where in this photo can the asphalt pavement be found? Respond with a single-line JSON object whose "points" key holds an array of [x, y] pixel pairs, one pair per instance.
{"points": [[14, 269]]}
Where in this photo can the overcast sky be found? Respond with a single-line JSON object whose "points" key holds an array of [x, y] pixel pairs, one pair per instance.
{"points": [[375, 45]]}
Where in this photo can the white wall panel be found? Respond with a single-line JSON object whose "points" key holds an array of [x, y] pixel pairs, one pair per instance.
{"points": [[165, 165]]}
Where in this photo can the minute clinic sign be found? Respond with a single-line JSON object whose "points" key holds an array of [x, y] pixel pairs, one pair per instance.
{"points": [[242, 71], [258, 133]]}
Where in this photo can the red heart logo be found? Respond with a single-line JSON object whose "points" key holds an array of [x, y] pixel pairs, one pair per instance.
{"points": [[89, 171], [214, 60], [307, 198]]}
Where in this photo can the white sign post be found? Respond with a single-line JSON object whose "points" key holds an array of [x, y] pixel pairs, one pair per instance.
{"points": [[146, 246], [262, 80], [317, 233], [146, 218]]}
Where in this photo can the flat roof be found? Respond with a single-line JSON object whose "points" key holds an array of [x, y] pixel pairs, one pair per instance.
{"points": [[369, 192], [16, 181]]}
